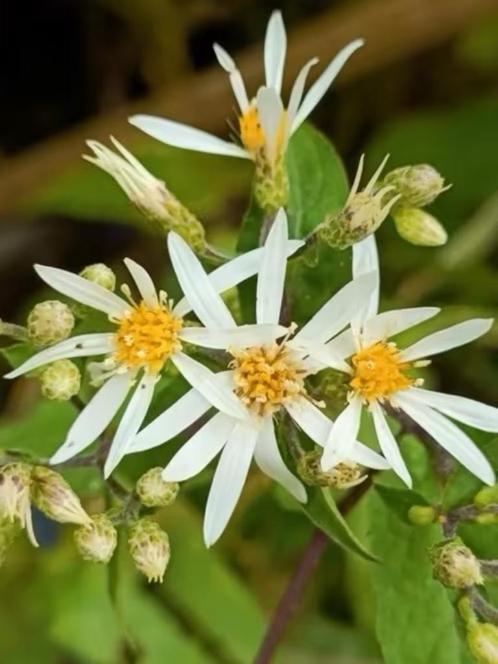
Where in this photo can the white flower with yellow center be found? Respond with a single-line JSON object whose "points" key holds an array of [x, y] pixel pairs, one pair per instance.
{"points": [[264, 377], [149, 333], [381, 376], [265, 125]]}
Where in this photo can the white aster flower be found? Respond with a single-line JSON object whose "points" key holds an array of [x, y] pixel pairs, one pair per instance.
{"points": [[380, 376], [265, 124], [264, 377], [149, 333]]}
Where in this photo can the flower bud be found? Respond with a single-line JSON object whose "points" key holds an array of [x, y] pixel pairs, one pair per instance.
{"points": [[153, 491], [486, 518], [422, 515], [100, 274], [419, 227], [343, 476], [486, 496], [61, 380], [55, 498], [482, 639], [96, 541], [417, 185], [149, 548], [15, 500], [49, 322], [454, 565]]}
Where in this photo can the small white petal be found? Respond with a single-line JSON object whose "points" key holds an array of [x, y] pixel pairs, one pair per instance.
{"points": [[471, 412], [130, 422], [28, 524], [366, 261], [211, 388], [205, 301], [175, 419], [224, 58], [95, 417], [182, 136], [235, 271], [366, 457], [228, 480], [82, 290], [275, 50], [143, 281], [344, 345], [243, 336], [324, 81], [199, 450], [451, 337], [343, 434], [450, 437], [236, 81], [388, 444], [268, 457], [389, 323], [297, 91], [320, 353], [270, 112], [271, 277], [83, 345]]}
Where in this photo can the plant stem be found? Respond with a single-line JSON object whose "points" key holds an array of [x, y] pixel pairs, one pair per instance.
{"points": [[291, 597], [483, 607]]}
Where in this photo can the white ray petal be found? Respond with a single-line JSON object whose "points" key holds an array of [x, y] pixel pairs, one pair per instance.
{"points": [[297, 91], [182, 136], [200, 449], [224, 58], [228, 480], [387, 324], [356, 185], [131, 421], [324, 81], [471, 412], [343, 434], [82, 290], [243, 336], [321, 353], [344, 345], [83, 345], [275, 50], [270, 110], [236, 80], [366, 261], [206, 382], [205, 301], [175, 419], [451, 337], [268, 457], [143, 281], [339, 311], [450, 437], [95, 417], [235, 271], [271, 277], [366, 457], [388, 444]]}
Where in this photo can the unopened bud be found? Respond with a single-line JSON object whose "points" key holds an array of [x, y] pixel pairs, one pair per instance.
{"points": [[96, 541], [419, 227], [422, 515], [482, 639], [61, 380], [486, 519], [55, 498], [153, 491], [417, 185], [454, 565], [100, 274], [486, 496], [149, 548], [271, 185], [343, 476], [49, 322]]}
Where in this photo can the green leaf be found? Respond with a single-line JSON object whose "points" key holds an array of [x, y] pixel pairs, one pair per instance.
{"points": [[324, 514], [399, 500], [17, 353]]}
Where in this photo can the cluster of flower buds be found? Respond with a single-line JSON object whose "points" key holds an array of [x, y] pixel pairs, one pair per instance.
{"points": [[342, 476], [482, 638], [454, 565], [149, 548]]}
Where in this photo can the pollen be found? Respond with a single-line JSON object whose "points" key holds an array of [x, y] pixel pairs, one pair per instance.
{"points": [[378, 372], [251, 131], [266, 377], [147, 337]]}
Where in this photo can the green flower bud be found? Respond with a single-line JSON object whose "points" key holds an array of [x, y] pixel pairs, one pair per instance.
{"points": [[486, 496], [96, 541], [454, 565], [149, 548], [486, 518], [271, 184], [100, 274], [482, 639], [417, 185], [343, 476], [55, 498], [49, 322], [61, 380], [422, 515], [419, 227], [153, 491]]}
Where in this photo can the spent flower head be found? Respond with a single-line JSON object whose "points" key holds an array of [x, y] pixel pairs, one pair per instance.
{"points": [[153, 491], [96, 540], [15, 498], [417, 186], [54, 497], [149, 548], [454, 565]]}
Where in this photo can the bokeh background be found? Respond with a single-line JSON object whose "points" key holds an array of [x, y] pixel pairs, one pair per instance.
{"points": [[424, 89]]}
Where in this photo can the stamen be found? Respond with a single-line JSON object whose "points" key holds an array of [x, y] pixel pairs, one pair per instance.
{"points": [[378, 372]]}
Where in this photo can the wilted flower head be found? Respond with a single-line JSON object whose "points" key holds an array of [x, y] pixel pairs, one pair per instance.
{"points": [[344, 475], [153, 491], [149, 548], [49, 322], [15, 503], [417, 185], [55, 498], [454, 565], [97, 540]]}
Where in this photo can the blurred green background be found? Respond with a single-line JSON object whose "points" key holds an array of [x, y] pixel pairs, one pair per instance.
{"points": [[428, 95]]}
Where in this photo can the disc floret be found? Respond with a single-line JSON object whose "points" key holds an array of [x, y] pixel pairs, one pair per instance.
{"points": [[378, 372]]}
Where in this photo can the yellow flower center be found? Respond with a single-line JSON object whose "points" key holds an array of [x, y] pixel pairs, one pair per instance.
{"points": [[251, 131], [266, 376], [378, 372], [147, 337]]}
